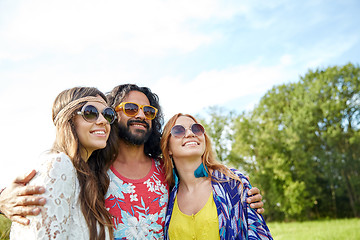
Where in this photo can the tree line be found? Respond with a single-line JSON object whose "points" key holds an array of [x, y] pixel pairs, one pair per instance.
{"points": [[300, 145]]}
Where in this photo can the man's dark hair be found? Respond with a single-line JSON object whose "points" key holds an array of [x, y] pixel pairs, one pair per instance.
{"points": [[117, 95]]}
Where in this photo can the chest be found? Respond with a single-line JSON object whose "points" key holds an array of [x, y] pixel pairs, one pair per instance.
{"points": [[191, 202], [136, 170]]}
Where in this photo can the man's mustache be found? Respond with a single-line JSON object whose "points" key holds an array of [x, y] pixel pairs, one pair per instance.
{"points": [[138, 121]]}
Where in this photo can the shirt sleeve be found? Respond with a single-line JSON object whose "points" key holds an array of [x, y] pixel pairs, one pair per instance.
{"points": [[57, 174], [256, 226]]}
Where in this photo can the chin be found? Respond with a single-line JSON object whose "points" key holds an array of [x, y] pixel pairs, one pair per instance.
{"points": [[100, 146]]}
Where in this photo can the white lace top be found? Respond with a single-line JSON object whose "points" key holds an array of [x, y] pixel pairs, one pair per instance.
{"points": [[61, 217]]}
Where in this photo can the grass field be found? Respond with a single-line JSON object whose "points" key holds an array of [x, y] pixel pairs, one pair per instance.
{"points": [[348, 229], [4, 227], [342, 229]]}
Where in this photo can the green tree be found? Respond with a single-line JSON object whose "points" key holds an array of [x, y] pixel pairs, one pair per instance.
{"points": [[218, 125], [301, 145]]}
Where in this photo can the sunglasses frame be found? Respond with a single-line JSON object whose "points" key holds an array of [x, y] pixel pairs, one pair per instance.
{"points": [[191, 129], [121, 106], [81, 112]]}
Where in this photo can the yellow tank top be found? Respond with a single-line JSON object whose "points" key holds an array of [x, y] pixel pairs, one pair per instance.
{"points": [[204, 225]]}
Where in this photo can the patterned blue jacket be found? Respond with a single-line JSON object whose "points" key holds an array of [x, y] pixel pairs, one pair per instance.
{"points": [[236, 219]]}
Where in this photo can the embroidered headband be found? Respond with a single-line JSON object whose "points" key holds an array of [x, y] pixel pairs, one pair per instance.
{"points": [[72, 104]]}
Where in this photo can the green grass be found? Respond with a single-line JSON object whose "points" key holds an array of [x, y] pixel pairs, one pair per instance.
{"points": [[348, 229], [4, 227]]}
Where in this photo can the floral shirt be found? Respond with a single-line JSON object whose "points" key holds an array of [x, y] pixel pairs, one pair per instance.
{"points": [[236, 219], [138, 206]]}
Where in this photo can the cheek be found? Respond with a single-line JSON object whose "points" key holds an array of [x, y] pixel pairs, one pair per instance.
{"points": [[79, 132], [122, 118], [118, 116], [79, 128], [108, 129], [204, 146], [170, 147]]}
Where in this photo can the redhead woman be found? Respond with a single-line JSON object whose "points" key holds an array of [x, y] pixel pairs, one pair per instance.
{"points": [[208, 199], [74, 171]]}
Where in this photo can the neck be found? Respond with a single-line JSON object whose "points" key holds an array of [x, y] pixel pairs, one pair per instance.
{"points": [[131, 162], [85, 154], [186, 169], [129, 153]]}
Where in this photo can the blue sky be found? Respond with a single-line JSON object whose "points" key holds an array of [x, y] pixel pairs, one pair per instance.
{"points": [[193, 54]]}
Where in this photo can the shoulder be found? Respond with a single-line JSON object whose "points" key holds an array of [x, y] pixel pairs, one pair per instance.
{"points": [[219, 175], [159, 165], [55, 166], [224, 179], [58, 163], [242, 177], [51, 159], [225, 186], [158, 161]]}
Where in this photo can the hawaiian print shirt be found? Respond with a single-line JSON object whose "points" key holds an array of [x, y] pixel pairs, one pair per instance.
{"points": [[236, 219], [138, 206]]}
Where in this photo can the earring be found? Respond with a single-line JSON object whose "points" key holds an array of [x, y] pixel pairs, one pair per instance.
{"points": [[201, 171]]}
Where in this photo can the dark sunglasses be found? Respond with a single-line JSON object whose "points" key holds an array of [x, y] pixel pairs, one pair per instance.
{"points": [[90, 113], [131, 109], [179, 130]]}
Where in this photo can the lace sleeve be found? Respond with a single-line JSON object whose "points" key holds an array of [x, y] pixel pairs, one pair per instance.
{"points": [[58, 176]]}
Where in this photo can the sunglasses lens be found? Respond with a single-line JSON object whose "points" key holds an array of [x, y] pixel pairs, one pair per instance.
{"points": [[197, 129], [178, 131], [90, 113], [149, 112], [109, 115], [131, 109]]}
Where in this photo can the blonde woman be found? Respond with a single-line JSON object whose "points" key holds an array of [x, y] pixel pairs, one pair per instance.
{"points": [[208, 199]]}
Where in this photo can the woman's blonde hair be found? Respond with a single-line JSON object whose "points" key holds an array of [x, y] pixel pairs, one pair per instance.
{"points": [[208, 158], [92, 174]]}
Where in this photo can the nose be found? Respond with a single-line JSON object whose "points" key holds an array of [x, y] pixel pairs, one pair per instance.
{"points": [[189, 133], [140, 114], [101, 120]]}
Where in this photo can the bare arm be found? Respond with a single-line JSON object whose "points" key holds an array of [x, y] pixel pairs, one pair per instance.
{"points": [[18, 199]]}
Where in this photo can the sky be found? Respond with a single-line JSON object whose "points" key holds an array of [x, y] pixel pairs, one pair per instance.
{"points": [[192, 54]]}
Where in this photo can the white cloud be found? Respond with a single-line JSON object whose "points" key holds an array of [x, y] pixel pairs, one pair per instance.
{"points": [[146, 27], [286, 59], [217, 87]]}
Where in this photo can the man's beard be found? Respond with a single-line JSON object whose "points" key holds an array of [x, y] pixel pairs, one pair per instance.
{"points": [[135, 139]]}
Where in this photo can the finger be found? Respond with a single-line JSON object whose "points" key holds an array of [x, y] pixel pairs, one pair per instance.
{"points": [[24, 211], [30, 200], [31, 190], [257, 205], [25, 178], [260, 210], [255, 198], [20, 219], [253, 191]]}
